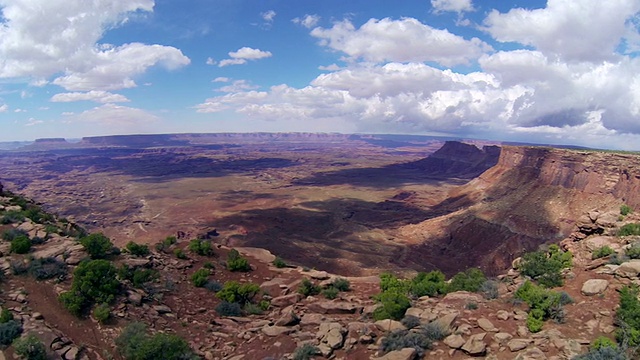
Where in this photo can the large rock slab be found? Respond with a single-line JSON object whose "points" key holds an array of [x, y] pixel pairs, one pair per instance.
{"points": [[594, 286], [475, 346], [454, 341], [331, 334], [486, 325], [629, 269], [334, 307], [389, 325], [286, 300]]}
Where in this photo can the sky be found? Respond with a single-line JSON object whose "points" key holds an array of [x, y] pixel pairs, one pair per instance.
{"points": [[553, 72]]}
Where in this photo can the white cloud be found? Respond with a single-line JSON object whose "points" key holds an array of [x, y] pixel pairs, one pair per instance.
{"points": [[238, 85], [268, 16], [19, 110], [93, 95], [587, 30], [404, 40], [243, 54], [113, 116], [307, 21], [332, 67], [210, 61], [452, 5], [41, 39], [4, 108], [221, 79], [33, 122]]}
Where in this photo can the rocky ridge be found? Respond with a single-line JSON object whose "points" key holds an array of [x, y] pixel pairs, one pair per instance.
{"points": [[341, 328]]}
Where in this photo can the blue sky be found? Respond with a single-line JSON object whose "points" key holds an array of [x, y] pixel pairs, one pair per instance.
{"points": [[557, 71]]}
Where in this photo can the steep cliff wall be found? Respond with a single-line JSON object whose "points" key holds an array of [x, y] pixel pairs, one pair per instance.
{"points": [[530, 197]]}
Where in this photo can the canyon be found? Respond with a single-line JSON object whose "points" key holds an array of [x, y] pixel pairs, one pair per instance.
{"points": [[355, 204]]}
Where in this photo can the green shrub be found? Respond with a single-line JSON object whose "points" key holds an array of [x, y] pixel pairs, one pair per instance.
{"points": [[97, 245], [252, 309], [165, 244], [546, 266], [629, 229], [427, 284], [9, 331], [633, 251], [135, 344], [137, 249], [200, 277], [264, 305], [93, 282], [470, 280], [305, 352], [330, 293], [308, 288], [47, 268], [602, 252], [393, 305], [235, 262], [102, 313], [201, 247], [389, 281], [341, 284], [229, 309], [543, 304], [400, 339], [279, 263], [625, 210], [234, 292], [179, 253], [30, 348], [21, 244], [208, 265], [602, 341], [5, 316], [628, 316], [472, 305]]}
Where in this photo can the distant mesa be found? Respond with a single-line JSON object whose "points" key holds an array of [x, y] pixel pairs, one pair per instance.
{"points": [[457, 159], [51, 140]]}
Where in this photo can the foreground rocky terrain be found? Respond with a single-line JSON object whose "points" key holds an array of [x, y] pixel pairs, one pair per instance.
{"points": [[340, 328]]}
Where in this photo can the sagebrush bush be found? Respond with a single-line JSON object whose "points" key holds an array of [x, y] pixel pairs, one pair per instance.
{"points": [[5, 316], [543, 304], [135, 344], [330, 293], [213, 286], [47, 268], [633, 251], [341, 284], [9, 331], [434, 331], [102, 313], [628, 316], [305, 352], [229, 309], [410, 321], [490, 289], [279, 263], [234, 292], [13, 233], [604, 353], [400, 339], [625, 210]]}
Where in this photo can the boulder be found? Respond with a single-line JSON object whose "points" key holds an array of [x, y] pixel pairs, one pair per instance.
{"points": [[273, 331], [594, 286], [533, 353], [446, 321], [486, 325], [286, 300], [454, 341], [288, 319], [331, 334], [502, 337], [404, 354], [518, 344], [389, 325], [334, 307], [475, 346]]}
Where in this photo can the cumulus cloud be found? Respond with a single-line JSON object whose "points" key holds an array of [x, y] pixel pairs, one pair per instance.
{"points": [[404, 40], [4, 108], [33, 122], [114, 116], [93, 95], [210, 61], [588, 30], [39, 40], [268, 16], [452, 5], [307, 21], [238, 85], [243, 55], [332, 67], [221, 79]]}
